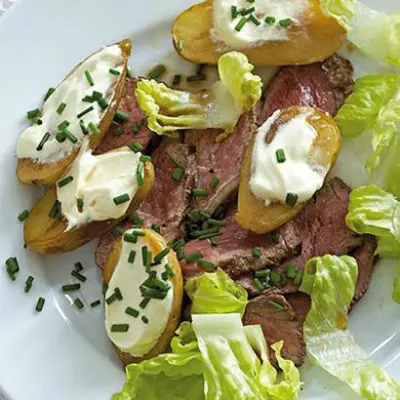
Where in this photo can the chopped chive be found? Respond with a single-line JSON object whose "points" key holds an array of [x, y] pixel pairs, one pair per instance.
{"points": [[104, 288], [60, 137], [192, 257], [84, 112], [157, 71], [258, 285], [61, 108], [114, 71], [176, 80], [180, 253], [164, 276], [214, 229], [216, 222], [78, 303], [95, 303], [131, 258], [155, 227], [170, 272], [78, 266], [199, 192], [118, 231], [234, 12], [28, 283], [70, 288], [122, 198], [122, 328], [130, 238], [291, 271], [206, 265], [49, 92], [55, 211], [270, 20], [254, 20], [144, 158], [43, 141], [138, 233], [248, 11], [33, 114], [137, 126], [83, 127], [88, 99], [95, 130], [274, 235], [213, 242], [97, 95], [103, 104], [174, 160], [275, 277], [144, 302], [208, 235], [132, 312], [69, 136], [298, 278], [256, 252], [40, 304], [89, 78], [145, 257], [65, 181], [117, 291], [135, 147], [136, 220], [158, 258], [11, 274], [179, 45], [23, 215], [280, 156], [291, 199], [111, 299], [79, 204], [139, 175], [12, 264], [79, 276], [214, 182], [145, 320], [178, 173], [262, 273], [251, 1], [285, 23], [196, 78], [63, 125], [121, 116], [272, 304]]}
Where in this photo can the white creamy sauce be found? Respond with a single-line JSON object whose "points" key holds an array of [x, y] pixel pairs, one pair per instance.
{"points": [[97, 180], [225, 35], [71, 92], [272, 181], [140, 337]]}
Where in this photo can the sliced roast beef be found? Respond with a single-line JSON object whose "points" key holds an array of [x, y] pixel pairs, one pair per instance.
{"points": [[134, 130], [321, 85], [234, 252], [168, 200], [301, 304], [278, 321], [221, 160]]}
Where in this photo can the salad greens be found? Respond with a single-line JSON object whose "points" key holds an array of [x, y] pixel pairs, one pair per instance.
{"points": [[375, 33], [220, 106], [330, 281]]}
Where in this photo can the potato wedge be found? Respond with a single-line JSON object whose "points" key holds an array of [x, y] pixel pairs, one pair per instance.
{"points": [[45, 234], [318, 38], [29, 171], [158, 244], [252, 214]]}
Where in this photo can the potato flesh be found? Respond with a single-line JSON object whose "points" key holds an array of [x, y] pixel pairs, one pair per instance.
{"points": [[252, 213], [317, 39]]}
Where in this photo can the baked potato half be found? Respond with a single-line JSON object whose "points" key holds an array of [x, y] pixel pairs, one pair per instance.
{"points": [[46, 234], [158, 243], [316, 39], [29, 171], [252, 213]]}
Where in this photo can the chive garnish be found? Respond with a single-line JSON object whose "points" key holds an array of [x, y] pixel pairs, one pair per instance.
{"points": [[285, 23], [65, 181], [83, 127], [254, 20], [199, 192], [157, 71], [33, 114], [82, 113], [78, 303], [95, 303], [49, 92], [45, 138], [71, 287], [275, 277], [202, 232], [103, 104], [139, 175], [213, 242], [195, 78], [128, 237], [28, 283], [78, 266], [114, 71], [79, 276], [145, 320], [118, 293], [69, 136], [61, 108], [137, 126], [263, 273], [144, 302], [299, 277], [88, 99], [145, 256], [144, 158], [270, 20], [178, 243], [258, 285], [170, 272], [121, 116], [120, 328], [180, 253], [63, 125], [132, 312], [206, 265], [214, 182], [118, 231], [40, 304], [248, 11], [216, 222], [131, 258], [135, 147], [291, 271], [274, 305], [89, 78], [11, 274], [155, 227], [179, 45], [55, 211], [176, 80], [280, 156], [234, 12], [97, 95], [138, 233], [136, 220], [274, 235], [178, 173], [192, 257], [111, 299], [12, 264], [158, 258], [95, 130], [23, 215], [256, 252], [79, 204], [291, 199], [122, 198]]}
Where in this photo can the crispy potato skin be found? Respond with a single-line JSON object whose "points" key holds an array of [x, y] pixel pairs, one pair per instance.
{"points": [[29, 171], [318, 38], [252, 214], [45, 234], [158, 244]]}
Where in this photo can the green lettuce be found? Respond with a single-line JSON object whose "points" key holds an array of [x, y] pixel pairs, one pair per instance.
{"points": [[396, 286], [330, 281], [168, 110], [375, 33], [185, 339], [216, 293]]}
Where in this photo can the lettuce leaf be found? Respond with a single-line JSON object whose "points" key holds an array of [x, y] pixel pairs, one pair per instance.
{"points": [[185, 339], [375, 33], [396, 286], [330, 281], [220, 106], [216, 293]]}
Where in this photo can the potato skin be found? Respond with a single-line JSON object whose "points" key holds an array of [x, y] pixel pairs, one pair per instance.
{"points": [[252, 214], [45, 234], [177, 282], [29, 171], [317, 39]]}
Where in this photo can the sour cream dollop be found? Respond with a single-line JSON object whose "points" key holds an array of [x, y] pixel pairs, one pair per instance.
{"points": [[271, 180], [144, 321], [66, 104], [269, 21]]}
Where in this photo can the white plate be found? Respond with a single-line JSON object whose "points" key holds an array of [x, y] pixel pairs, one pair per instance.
{"points": [[64, 354]]}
